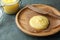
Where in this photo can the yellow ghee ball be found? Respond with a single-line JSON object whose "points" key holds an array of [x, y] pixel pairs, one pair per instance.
{"points": [[39, 22]]}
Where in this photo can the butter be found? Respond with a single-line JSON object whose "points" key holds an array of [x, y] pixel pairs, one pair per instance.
{"points": [[39, 22]]}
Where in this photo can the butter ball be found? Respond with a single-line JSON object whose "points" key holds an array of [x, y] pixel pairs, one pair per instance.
{"points": [[39, 22]]}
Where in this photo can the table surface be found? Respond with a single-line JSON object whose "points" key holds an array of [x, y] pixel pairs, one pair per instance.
{"points": [[10, 31]]}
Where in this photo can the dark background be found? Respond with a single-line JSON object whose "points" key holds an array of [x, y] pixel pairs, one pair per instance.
{"points": [[9, 30]]}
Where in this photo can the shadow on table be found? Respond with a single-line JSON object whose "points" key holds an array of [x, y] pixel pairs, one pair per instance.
{"points": [[53, 37]]}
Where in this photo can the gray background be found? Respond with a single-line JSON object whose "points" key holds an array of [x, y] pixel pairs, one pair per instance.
{"points": [[9, 30]]}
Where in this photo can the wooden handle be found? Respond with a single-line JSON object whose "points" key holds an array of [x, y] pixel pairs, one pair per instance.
{"points": [[41, 11], [36, 9]]}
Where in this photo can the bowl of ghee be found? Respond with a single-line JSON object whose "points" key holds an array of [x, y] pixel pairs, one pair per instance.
{"points": [[10, 6], [35, 22]]}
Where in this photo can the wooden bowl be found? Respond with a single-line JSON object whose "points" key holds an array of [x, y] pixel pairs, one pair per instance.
{"points": [[21, 27]]}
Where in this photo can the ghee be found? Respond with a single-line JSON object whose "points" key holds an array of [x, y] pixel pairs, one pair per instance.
{"points": [[39, 22], [10, 6]]}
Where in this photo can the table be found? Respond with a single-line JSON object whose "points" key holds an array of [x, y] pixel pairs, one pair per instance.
{"points": [[10, 31]]}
